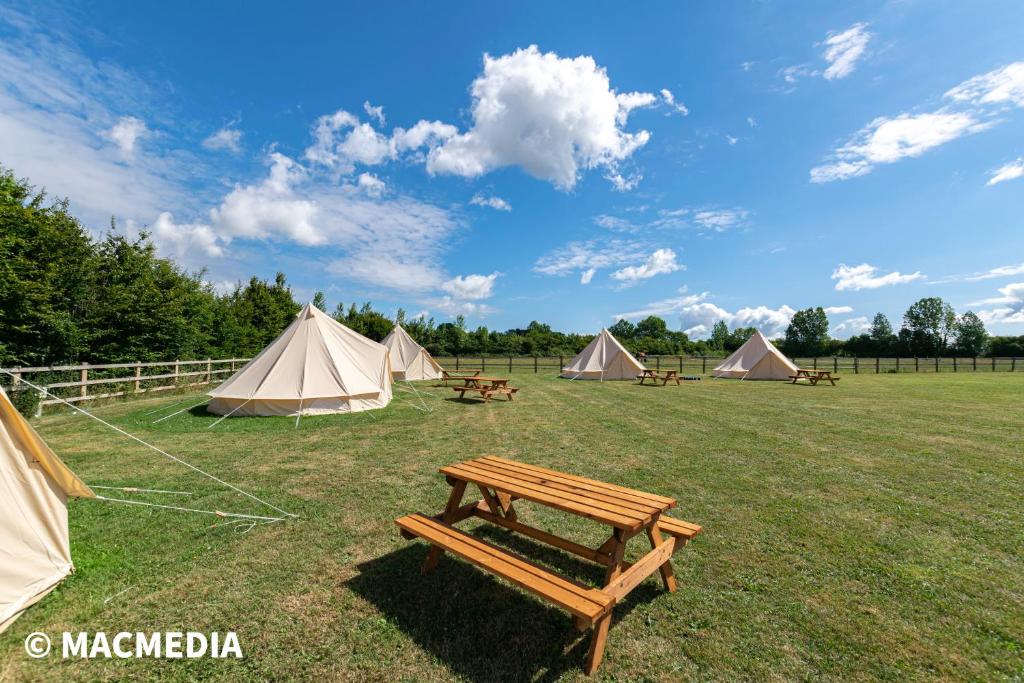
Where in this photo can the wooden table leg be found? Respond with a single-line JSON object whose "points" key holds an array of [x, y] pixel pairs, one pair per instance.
{"points": [[506, 506], [596, 652], [454, 500], [667, 577]]}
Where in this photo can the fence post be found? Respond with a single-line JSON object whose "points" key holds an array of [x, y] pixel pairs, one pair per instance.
{"points": [[177, 365], [936, 363], [456, 362], [917, 366], [138, 374], [209, 371], [561, 364], [657, 362], [535, 365], [680, 363], [1013, 364], [856, 365], [974, 364], [993, 363], [510, 365], [897, 365], [483, 364], [878, 362], [83, 390], [703, 365], [835, 364], [954, 363], [814, 362]]}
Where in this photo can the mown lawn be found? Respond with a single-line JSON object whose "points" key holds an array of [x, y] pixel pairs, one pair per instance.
{"points": [[870, 531]]}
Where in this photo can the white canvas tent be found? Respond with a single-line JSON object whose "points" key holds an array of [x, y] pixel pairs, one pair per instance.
{"points": [[409, 360], [316, 366], [604, 358], [756, 359], [34, 488]]}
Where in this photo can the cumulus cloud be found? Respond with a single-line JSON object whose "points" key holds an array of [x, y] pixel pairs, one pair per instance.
{"points": [[865, 276], [226, 138], [371, 185], [471, 287], [719, 220], [660, 262], [1011, 308], [181, 239], [697, 316], [1000, 271], [587, 257], [674, 106], [973, 106], [888, 140], [126, 133], [850, 327], [551, 116], [375, 113], [835, 310], [842, 50], [1010, 171], [492, 202]]}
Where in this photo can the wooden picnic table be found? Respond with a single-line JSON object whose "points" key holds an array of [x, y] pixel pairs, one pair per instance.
{"points": [[486, 387], [813, 375], [626, 512], [665, 376], [457, 374]]}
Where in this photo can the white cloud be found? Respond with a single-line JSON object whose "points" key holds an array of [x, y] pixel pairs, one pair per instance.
{"points": [[551, 116], [1012, 313], [616, 224], [747, 66], [752, 122], [126, 133], [496, 203], [471, 287], [1010, 171], [997, 87], [375, 113], [835, 310], [975, 103], [850, 327], [181, 239], [719, 220], [453, 307], [371, 185], [670, 100], [1001, 271], [731, 140], [864, 277], [226, 138], [592, 255], [791, 74], [660, 262], [842, 50], [697, 316], [887, 140]]}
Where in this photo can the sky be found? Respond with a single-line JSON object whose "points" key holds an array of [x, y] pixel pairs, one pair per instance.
{"points": [[572, 163]]}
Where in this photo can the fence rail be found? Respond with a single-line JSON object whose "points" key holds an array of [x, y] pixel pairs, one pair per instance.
{"points": [[73, 382]]}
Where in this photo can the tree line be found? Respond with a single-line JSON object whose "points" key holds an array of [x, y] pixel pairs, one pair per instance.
{"points": [[67, 298]]}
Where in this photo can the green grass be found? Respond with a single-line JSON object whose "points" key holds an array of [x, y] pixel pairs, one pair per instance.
{"points": [[870, 531]]}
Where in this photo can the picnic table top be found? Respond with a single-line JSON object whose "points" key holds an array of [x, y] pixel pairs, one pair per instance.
{"points": [[817, 371], [479, 378], [617, 506], [461, 373]]}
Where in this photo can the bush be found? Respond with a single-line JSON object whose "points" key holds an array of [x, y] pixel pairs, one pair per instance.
{"points": [[26, 400]]}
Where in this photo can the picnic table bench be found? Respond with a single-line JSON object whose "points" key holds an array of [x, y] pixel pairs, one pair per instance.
{"points": [[486, 387], [665, 376], [814, 376], [457, 374], [502, 482]]}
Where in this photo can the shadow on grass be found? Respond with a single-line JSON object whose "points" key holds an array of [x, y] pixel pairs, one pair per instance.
{"points": [[483, 629]]}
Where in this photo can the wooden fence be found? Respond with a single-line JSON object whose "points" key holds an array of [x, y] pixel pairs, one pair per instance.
{"points": [[704, 364], [73, 383]]}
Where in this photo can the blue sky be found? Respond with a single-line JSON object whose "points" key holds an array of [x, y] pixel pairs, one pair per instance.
{"points": [[570, 163]]}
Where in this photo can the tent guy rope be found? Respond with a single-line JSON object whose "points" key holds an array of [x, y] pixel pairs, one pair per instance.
{"points": [[152, 447]]}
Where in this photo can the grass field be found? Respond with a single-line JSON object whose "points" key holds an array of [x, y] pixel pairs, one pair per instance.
{"points": [[870, 531]]}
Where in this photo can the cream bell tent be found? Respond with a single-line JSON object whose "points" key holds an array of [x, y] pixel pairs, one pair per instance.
{"points": [[604, 358], [316, 366], [34, 488], [756, 359], [409, 360]]}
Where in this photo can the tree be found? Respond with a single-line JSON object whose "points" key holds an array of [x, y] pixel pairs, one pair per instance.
{"points": [[719, 335], [320, 301], [652, 326], [807, 333], [623, 329], [928, 325], [971, 335], [881, 335]]}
